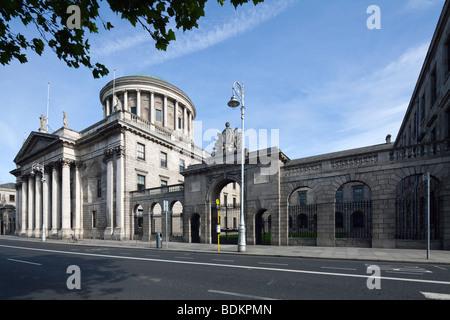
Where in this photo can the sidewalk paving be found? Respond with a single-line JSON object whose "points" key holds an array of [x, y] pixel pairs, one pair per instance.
{"points": [[350, 253]]}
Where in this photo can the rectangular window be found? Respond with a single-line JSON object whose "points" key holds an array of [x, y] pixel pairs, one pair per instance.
{"points": [[358, 194], [94, 219], [181, 165], [99, 188], [225, 200], [180, 123], [433, 85], [140, 182], [12, 198], [422, 107], [158, 115], [234, 203], [302, 198], [339, 196], [163, 183], [163, 158], [140, 151]]}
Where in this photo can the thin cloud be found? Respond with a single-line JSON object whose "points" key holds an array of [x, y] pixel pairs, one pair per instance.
{"points": [[419, 4], [244, 20], [205, 37], [351, 113]]}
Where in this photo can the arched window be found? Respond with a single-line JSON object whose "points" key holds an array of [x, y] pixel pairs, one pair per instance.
{"points": [[358, 219], [339, 220], [302, 220]]}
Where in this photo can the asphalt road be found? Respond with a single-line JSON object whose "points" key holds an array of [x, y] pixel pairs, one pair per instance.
{"points": [[63, 271]]}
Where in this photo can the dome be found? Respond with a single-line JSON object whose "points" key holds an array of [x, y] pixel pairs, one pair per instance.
{"points": [[150, 98]]}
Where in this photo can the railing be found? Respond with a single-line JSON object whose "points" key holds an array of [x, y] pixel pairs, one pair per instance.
{"points": [[440, 147], [353, 219], [411, 219], [303, 221], [158, 190]]}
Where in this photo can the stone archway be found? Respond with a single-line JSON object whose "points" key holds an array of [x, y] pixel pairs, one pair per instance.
{"points": [[195, 222], [227, 191]]}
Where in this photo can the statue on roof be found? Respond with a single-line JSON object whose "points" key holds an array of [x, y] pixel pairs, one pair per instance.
{"points": [[117, 104], [43, 121], [66, 125]]}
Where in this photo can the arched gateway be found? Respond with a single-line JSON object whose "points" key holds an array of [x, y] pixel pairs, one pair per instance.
{"points": [[204, 183]]}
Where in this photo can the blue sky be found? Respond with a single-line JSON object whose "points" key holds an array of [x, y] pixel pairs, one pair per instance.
{"points": [[311, 70]]}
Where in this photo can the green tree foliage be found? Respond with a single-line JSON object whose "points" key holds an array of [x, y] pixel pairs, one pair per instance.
{"points": [[49, 18]]}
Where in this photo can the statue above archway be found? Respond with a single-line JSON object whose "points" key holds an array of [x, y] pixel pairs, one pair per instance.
{"points": [[229, 141]]}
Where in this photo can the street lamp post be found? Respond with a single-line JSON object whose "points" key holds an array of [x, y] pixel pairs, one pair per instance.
{"points": [[238, 90], [37, 167]]}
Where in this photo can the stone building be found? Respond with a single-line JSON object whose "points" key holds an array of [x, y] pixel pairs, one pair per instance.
{"points": [[145, 140], [7, 208], [137, 172]]}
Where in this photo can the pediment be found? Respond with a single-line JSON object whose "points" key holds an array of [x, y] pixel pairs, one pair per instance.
{"points": [[35, 143]]}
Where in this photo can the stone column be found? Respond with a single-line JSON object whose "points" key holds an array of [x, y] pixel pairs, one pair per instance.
{"points": [[325, 224], [125, 100], [108, 107], [56, 202], [120, 192], [30, 225], [152, 107], [46, 203], [24, 207], [138, 103], [109, 192], [165, 112], [191, 131], [185, 120], [38, 205], [77, 189], [65, 198], [175, 116]]}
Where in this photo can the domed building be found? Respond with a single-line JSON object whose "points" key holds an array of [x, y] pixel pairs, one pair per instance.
{"points": [[71, 182]]}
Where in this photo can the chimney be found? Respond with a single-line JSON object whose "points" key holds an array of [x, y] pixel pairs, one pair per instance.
{"points": [[388, 139]]}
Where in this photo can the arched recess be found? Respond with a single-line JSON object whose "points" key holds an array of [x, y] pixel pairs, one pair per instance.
{"points": [[195, 223], [156, 218], [138, 221], [302, 216], [177, 218], [353, 211], [228, 192], [411, 209], [263, 226]]}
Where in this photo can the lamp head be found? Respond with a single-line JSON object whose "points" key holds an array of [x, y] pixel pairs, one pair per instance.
{"points": [[233, 103]]}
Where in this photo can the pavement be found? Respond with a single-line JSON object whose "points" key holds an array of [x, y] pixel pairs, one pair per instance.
{"points": [[341, 253]]}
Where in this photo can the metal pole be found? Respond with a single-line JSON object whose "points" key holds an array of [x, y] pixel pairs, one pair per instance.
{"points": [[48, 103], [242, 243], [167, 243], [218, 225]]}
